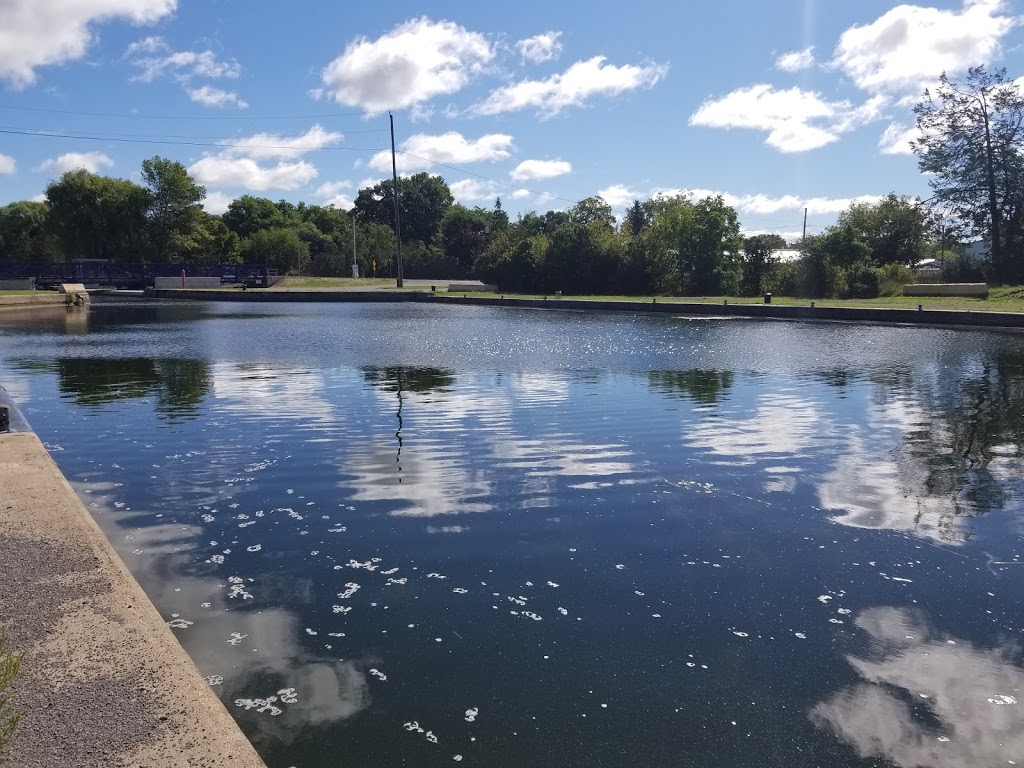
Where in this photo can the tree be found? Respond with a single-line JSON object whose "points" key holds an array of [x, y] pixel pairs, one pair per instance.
{"points": [[423, 200], [972, 145], [174, 207], [895, 229], [281, 249], [464, 235], [23, 233], [98, 217], [637, 218], [704, 237], [248, 214], [758, 260]]}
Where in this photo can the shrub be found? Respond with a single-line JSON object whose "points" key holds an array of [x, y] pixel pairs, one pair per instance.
{"points": [[861, 281], [892, 278], [10, 663]]}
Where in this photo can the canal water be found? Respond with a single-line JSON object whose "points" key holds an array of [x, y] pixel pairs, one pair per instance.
{"points": [[399, 534]]}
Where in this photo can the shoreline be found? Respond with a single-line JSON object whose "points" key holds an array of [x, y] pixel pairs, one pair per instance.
{"points": [[103, 681], [891, 316]]}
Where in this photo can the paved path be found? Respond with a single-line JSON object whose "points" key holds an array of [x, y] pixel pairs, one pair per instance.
{"points": [[103, 681]]}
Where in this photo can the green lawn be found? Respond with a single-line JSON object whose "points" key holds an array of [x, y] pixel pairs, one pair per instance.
{"points": [[299, 281], [25, 293]]}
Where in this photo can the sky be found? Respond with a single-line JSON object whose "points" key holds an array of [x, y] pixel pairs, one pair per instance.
{"points": [[777, 106]]}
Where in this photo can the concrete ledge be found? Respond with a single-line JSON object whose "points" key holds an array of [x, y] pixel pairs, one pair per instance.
{"points": [[950, 317], [164, 283], [103, 681], [42, 298], [25, 284], [946, 289]]}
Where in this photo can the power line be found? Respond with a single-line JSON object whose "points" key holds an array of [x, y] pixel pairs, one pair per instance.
{"points": [[182, 117], [169, 135]]}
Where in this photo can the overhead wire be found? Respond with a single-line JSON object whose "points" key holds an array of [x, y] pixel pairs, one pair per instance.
{"points": [[141, 116]]}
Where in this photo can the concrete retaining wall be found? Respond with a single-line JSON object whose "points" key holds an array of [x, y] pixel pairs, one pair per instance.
{"points": [[164, 283], [26, 284], [777, 311], [103, 681], [41, 298], [946, 289]]}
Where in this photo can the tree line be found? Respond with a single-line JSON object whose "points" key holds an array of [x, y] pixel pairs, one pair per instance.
{"points": [[970, 145]]}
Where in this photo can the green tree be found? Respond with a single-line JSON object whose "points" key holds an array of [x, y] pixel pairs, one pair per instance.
{"points": [[212, 242], [972, 146], [174, 209], [280, 248], [704, 238], [895, 229], [247, 215], [98, 217], [637, 218], [23, 233], [758, 261], [464, 236], [423, 200]]}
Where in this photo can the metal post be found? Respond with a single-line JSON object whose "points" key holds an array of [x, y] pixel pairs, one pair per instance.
{"points": [[355, 264], [398, 225]]}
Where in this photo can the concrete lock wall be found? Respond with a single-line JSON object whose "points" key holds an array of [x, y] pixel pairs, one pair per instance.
{"points": [[165, 283], [25, 284], [946, 289]]}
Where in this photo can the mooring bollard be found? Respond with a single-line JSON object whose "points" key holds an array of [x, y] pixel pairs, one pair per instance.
{"points": [[812, 305], [5, 419], [767, 298], [920, 307]]}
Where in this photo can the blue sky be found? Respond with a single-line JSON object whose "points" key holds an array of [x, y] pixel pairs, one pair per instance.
{"points": [[777, 105]]}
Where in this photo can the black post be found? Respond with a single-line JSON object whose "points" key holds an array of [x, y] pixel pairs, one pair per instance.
{"points": [[394, 176]]}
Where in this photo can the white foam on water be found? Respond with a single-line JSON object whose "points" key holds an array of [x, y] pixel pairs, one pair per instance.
{"points": [[471, 714], [214, 680], [379, 675], [1002, 700]]}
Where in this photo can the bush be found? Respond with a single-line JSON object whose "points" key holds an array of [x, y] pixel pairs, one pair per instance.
{"points": [[861, 281], [782, 279], [892, 278], [10, 663]]}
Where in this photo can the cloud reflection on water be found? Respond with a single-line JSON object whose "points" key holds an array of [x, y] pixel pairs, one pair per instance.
{"points": [[928, 700]]}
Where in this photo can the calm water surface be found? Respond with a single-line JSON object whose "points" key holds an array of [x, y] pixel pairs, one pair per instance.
{"points": [[412, 535]]}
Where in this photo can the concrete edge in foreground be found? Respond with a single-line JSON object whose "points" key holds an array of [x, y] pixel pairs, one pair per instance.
{"points": [[103, 681], [946, 317]]}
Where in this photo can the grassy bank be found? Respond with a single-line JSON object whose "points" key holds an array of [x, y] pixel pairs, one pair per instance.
{"points": [[22, 293], [305, 283]]}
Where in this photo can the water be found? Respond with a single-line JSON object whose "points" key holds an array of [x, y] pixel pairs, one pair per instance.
{"points": [[508, 538]]}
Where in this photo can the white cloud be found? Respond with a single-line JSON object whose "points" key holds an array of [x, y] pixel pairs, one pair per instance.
{"points": [[896, 139], [178, 65], [217, 202], [794, 61], [7, 165], [573, 88], [332, 193], [521, 194], [451, 147], [266, 145], [618, 196], [215, 97], [37, 33], [71, 161], [40, 198], [795, 120], [540, 169], [244, 172], [761, 204], [540, 48], [909, 46], [475, 190], [409, 65]]}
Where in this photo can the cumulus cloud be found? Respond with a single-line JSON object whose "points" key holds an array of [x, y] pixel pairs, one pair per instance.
{"points": [[268, 145], [244, 172], [540, 48], [475, 190], [618, 196], [35, 34], [451, 147], [215, 97], [216, 202], [7, 165], [794, 61], [333, 193], [581, 82], [758, 204], [907, 48], [72, 161], [794, 119], [521, 194], [154, 57], [540, 169], [896, 139], [409, 65]]}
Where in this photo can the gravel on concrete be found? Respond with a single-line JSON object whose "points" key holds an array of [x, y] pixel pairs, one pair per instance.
{"points": [[103, 681]]}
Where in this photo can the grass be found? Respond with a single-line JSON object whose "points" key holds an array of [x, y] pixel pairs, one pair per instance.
{"points": [[10, 663], [1001, 299], [300, 281]]}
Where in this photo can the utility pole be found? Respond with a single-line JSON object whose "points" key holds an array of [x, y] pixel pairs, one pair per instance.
{"points": [[805, 224], [355, 264], [398, 225]]}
